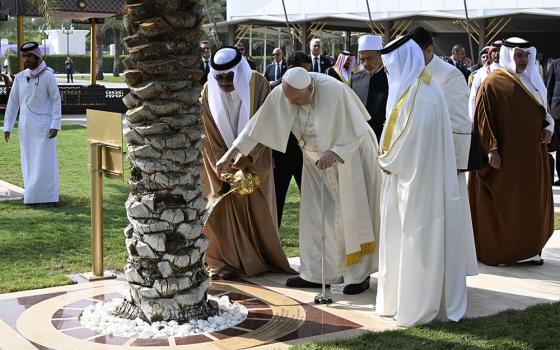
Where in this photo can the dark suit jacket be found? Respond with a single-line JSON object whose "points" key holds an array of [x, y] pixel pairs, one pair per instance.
{"points": [[251, 63], [204, 78], [269, 71], [325, 62], [553, 88], [476, 67], [466, 72]]}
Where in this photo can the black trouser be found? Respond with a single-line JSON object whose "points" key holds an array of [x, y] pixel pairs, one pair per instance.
{"points": [[286, 165], [69, 76]]}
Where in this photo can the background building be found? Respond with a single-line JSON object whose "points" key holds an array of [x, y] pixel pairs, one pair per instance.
{"points": [[341, 21]]}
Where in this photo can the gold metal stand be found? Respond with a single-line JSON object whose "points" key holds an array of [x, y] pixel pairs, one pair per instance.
{"points": [[106, 159], [96, 158]]}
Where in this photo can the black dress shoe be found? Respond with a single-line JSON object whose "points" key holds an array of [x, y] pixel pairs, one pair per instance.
{"points": [[536, 262], [222, 275], [298, 282], [556, 183], [357, 288]]}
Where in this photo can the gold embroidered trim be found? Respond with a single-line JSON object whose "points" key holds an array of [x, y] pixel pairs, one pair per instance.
{"points": [[339, 73], [252, 95], [356, 257], [425, 77], [516, 79]]}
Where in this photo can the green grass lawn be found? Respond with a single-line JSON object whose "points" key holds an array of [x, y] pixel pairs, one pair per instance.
{"points": [[40, 246], [538, 327]]}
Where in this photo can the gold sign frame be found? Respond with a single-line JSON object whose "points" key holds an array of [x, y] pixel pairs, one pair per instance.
{"points": [[105, 139], [105, 128]]}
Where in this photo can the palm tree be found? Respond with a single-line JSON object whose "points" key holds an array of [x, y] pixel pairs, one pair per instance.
{"points": [[165, 268], [99, 56], [116, 27]]}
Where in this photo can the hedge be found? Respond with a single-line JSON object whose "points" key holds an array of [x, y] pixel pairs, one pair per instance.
{"points": [[56, 62]]}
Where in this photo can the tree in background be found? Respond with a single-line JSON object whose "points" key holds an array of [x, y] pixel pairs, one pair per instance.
{"points": [[115, 27]]}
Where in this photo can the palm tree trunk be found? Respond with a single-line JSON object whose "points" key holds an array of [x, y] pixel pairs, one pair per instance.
{"points": [[99, 54], [116, 60], [165, 268]]}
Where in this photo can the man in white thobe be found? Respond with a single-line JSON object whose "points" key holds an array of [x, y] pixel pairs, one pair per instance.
{"points": [[492, 63], [421, 259], [329, 122], [35, 95], [455, 92]]}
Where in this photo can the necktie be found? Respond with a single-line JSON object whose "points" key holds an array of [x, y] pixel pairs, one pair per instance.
{"points": [[316, 65], [206, 67], [277, 71]]}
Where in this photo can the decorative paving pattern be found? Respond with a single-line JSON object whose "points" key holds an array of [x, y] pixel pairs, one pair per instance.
{"points": [[49, 320]]}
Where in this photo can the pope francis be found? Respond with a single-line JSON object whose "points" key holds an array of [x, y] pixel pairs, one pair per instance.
{"points": [[330, 124]]}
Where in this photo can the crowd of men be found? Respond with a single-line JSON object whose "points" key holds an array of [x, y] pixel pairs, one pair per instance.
{"points": [[387, 143], [380, 152]]}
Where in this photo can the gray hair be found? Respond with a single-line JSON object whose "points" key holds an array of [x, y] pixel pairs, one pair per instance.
{"points": [[457, 47], [315, 40]]}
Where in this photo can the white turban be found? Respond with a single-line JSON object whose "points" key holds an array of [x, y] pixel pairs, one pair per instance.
{"points": [[370, 42], [298, 78], [225, 60]]}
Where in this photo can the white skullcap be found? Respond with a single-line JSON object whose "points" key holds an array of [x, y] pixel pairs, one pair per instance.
{"points": [[298, 78], [369, 43]]}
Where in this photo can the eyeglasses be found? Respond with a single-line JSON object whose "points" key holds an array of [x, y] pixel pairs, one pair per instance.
{"points": [[205, 48], [220, 77], [275, 54]]}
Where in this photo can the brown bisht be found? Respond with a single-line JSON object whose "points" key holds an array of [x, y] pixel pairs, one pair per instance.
{"points": [[242, 229], [511, 207]]}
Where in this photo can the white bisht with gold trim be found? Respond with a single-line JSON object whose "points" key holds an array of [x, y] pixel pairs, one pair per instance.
{"points": [[336, 121], [422, 260]]}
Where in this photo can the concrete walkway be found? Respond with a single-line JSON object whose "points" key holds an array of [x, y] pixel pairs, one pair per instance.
{"points": [[78, 81]]}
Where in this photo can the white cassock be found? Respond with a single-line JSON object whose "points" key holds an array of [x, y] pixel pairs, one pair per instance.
{"points": [[421, 258], [38, 102], [455, 92], [479, 77], [336, 121]]}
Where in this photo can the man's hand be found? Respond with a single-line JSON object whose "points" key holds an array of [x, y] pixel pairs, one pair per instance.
{"points": [[494, 159], [52, 133], [546, 136], [327, 160], [241, 162], [7, 136], [227, 161]]}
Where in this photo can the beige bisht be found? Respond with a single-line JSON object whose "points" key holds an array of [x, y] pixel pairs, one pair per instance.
{"points": [[242, 229]]}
